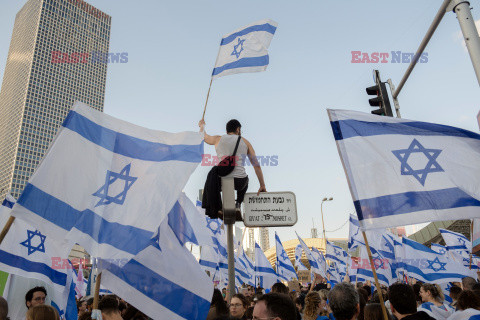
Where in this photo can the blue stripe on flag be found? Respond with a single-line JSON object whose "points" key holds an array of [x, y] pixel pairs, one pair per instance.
{"points": [[102, 231], [417, 246], [181, 301], [286, 266], [8, 204], [15, 261], [208, 264], [265, 270], [129, 146], [407, 202], [261, 27], [453, 233], [430, 277], [177, 220], [344, 129], [369, 273], [242, 63]]}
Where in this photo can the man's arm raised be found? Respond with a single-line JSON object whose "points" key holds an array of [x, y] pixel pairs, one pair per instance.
{"points": [[211, 140], [256, 166]]}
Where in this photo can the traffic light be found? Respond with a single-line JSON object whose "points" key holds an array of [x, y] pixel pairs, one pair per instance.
{"points": [[382, 101]]}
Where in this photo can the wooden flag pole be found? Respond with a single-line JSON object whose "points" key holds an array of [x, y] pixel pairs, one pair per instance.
{"points": [[377, 284], [97, 291], [471, 239], [6, 228], [206, 101]]}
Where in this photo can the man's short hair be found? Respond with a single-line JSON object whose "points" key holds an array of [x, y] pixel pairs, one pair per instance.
{"points": [[279, 305], [233, 125], [343, 300], [29, 295], [108, 305], [402, 298], [468, 283], [455, 292], [280, 288]]}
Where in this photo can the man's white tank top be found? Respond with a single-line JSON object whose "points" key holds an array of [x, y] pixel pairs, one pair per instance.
{"points": [[225, 148]]}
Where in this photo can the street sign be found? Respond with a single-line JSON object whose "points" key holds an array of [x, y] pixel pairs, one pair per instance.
{"points": [[270, 209]]}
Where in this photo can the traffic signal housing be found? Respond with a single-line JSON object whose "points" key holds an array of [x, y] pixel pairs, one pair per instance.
{"points": [[381, 100]]}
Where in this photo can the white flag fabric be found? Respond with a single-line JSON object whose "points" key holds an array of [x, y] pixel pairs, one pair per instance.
{"points": [[27, 252], [298, 256], [426, 265], [105, 181], [355, 237], [423, 178], [314, 264], [320, 258], [456, 241], [263, 269], [245, 49], [209, 261], [247, 266], [382, 267], [438, 248], [285, 269], [164, 280]]}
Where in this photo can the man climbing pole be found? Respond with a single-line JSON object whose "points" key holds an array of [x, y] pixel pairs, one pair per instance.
{"points": [[225, 146]]}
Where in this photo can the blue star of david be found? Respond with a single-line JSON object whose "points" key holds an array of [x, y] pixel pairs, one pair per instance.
{"points": [[235, 51], [462, 241], [442, 251], [214, 225], [378, 265], [436, 261], [28, 243], [110, 178], [419, 174], [284, 256], [388, 245], [336, 252]]}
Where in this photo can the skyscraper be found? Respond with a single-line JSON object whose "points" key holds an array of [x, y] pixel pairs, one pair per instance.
{"points": [[40, 84]]}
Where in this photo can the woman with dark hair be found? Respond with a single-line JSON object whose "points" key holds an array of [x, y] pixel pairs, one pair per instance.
{"points": [[42, 312], [433, 302], [218, 307], [468, 305], [238, 306], [373, 311]]}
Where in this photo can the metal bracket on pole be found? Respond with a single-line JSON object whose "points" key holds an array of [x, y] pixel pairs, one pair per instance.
{"points": [[228, 200], [395, 100]]}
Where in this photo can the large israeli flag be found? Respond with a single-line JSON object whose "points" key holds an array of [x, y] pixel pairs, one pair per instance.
{"points": [[27, 252], [164, 280], [285, 269], [402, 170], [104, 182], [245, 49], [426, 265], [263, 269]]}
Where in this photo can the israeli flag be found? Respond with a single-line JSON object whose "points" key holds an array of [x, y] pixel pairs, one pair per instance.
{"points": [[426, 265], [27, 252], [333, 274], [246, 265], [298, 256], [381, 264], [320, 258], [355, 237], [263, 269], [314, 263], [209, 261], [438, 248], [188, 224], [245, 49], [456, 241], [104, 182], [164, 280], [336, 253], [285, 269], [422, 177]]}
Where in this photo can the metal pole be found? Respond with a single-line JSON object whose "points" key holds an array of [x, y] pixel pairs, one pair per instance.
{"points": [[395, 100], [423, 44], [324, 236], [231, 262], [469, 31]]}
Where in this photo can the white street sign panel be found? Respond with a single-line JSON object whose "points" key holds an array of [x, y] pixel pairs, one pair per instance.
{"points": [[270, 209]]}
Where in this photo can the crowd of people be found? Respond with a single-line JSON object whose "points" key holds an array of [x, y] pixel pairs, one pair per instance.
{"points": [[345, 301]]}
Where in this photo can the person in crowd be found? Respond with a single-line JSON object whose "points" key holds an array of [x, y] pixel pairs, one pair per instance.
{"points": [[280, 288], [300, 303], [90, 304], [218, 306], [468, 283], [373, 311], [454, 293], [468, 305], [3, 309], [403, 304], [35, 297], [225, 145], [315, 307], [109, 308], [344, 301], [42, 312], [433, 302], [361, 299], [238, 306], [85, 316], [224, 294], [368, 288], [274, 306], [416, 289], [362, 292], [81, 307]]}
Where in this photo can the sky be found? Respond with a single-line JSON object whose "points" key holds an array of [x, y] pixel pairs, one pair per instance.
{"points": [[172, 47]]}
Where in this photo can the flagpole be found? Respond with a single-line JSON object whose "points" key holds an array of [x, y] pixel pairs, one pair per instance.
{"points": [[471, 240], [6, 228], [97, 291], [206, 101], [377, 284]]}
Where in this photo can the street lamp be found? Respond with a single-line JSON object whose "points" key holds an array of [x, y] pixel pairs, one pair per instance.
{"points": [[323, 224]]}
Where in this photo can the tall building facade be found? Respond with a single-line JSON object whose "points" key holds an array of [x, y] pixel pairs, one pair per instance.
{"points": [[49, 67], [259, 235]]}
